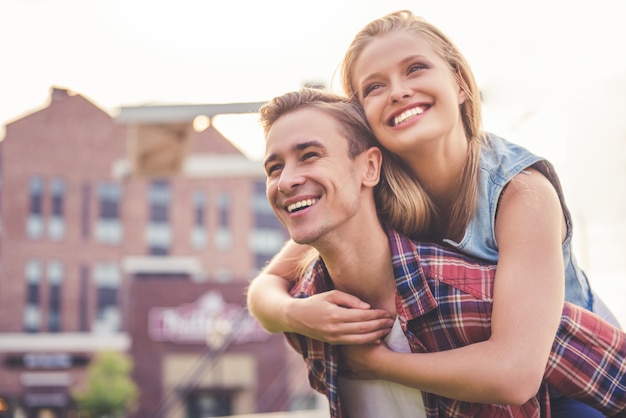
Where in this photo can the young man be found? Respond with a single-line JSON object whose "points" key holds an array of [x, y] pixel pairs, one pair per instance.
{"points": [[323, 168]]}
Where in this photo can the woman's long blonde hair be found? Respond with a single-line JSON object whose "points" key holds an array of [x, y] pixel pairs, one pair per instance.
{"points": [[404, 20]]}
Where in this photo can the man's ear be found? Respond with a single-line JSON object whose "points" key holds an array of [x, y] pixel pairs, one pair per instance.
{"points": [[374, 160]]}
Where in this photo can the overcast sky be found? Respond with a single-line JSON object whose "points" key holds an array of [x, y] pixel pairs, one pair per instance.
{"points": [[129, 52]]}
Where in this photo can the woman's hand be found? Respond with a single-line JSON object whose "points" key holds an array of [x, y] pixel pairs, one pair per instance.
{"points": [[336, 317]]}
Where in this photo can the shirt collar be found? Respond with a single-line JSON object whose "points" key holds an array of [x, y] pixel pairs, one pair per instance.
{"points": [[411, 281]]}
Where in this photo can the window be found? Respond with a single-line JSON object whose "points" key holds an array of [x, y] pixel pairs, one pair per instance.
{"points": [[55, 281], [266, 241], [158, 233], [209, 404], [56, 224], [107, 277], [32, 309], [223, 236], [223, 275], [268, 235], [263, 213], [86, 211], [83, 303], [303, 401], [198, 230], [34, 223], [109, 225]]}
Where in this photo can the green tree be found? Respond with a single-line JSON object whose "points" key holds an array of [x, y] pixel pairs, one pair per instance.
{"points": [[110, 391]]}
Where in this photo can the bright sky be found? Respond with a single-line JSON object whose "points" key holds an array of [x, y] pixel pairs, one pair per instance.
{"points": [[538, 62], [129, 52]]}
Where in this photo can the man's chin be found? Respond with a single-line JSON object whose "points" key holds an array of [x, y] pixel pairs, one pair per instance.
{"points": [[304, 239]]}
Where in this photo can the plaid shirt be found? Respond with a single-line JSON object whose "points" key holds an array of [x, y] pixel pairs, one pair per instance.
{"points": [[444, 301]]}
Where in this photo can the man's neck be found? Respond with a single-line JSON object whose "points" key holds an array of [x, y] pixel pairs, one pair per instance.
{"points": [[362, 267]]}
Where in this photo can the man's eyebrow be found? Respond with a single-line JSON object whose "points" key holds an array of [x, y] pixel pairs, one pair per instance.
{"points": [[269, 159], [305, 145], [296, 147]]}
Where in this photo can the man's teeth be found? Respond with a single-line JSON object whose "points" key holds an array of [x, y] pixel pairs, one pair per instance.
{"points": [[301, 205], [407, 115]]}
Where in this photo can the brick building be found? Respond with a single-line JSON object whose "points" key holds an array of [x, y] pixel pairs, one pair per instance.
{"points": [[135, 234]]}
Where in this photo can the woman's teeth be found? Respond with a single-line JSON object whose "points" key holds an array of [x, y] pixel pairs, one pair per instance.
{"points": [[404, 116]]}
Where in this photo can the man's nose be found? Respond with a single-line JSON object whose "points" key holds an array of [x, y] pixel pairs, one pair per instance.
{"points": [[290, 178]]}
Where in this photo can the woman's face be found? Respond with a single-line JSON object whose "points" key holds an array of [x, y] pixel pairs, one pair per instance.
{"points": [[409, 94]]}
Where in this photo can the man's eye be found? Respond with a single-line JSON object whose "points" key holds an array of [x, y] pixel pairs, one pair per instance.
{"points": [[310, 155], [273, 169]]}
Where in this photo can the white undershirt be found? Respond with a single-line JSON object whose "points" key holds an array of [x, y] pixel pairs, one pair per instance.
{"points": [[381, 398]]}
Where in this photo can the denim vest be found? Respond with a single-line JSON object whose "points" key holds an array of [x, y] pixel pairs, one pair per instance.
{"points": [[500, 161]]}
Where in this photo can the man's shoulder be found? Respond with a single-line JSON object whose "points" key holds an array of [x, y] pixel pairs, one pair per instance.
{"points": [[442, 264]]}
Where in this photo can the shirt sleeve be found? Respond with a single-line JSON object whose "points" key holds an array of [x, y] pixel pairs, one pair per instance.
{"points": [[588, 361]]}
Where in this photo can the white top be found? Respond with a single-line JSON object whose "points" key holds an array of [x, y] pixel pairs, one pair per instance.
{"points": [[381, 398]]}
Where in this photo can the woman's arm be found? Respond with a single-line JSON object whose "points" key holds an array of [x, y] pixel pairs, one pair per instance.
{"points": [[334, 317], [528, 300]]}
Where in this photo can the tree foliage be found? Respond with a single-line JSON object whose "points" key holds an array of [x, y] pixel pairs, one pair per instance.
{"points": [[110, 391]]}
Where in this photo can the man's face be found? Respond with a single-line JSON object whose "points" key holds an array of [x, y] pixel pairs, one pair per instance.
{"points": [[313, 185]]}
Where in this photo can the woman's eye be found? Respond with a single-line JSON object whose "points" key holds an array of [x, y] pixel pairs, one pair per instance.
{"points": [[415, 67], [369, 89]]}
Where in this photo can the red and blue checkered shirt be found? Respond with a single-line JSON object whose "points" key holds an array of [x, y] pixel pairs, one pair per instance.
{"points": [[444, 301]]}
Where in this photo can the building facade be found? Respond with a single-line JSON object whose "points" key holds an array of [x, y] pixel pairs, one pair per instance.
{"points": [[135, 234]]}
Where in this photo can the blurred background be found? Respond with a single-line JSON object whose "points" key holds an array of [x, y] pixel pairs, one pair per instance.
{"points": [[132, 199]]}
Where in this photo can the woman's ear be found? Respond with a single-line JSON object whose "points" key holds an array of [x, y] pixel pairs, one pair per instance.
{"points": [[462, 93], [374, 159]]}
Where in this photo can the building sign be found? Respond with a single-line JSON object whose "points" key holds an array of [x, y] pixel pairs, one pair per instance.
{"points": [[209, 320], [46, 361]]}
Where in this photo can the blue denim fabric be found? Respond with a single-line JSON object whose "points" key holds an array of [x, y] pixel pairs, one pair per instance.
{"points": [[569, 408], [500, 162]]}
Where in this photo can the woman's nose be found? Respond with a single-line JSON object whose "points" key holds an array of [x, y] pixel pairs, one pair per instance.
{"points": [[399, 92]]}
